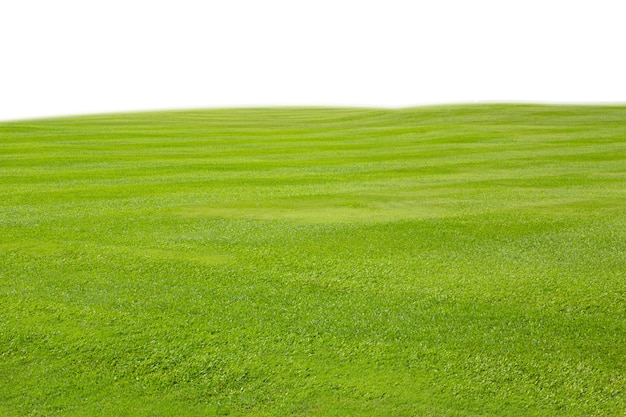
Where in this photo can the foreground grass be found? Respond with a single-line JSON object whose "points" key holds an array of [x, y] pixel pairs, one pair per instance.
{"points": [[438, 261]]}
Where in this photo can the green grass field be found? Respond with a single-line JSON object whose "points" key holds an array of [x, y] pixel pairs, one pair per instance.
{"points": [[435, 261]]}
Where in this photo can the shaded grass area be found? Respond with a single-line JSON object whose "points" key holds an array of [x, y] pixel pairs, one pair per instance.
{"points": [[436, 261]]}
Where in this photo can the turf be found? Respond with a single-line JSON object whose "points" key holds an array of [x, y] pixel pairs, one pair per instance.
{"points": [[439, 261]]}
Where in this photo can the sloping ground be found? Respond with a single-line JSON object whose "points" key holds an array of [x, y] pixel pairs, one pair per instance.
{"points": [[436, 261]]}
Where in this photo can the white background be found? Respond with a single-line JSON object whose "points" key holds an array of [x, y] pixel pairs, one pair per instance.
{"points": [[62, 57]]}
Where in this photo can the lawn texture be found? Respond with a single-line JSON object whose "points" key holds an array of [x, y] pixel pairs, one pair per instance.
{"points": [[464, 260]]}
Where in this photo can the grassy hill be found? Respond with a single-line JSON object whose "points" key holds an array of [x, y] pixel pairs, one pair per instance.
{"points": [[435, 261]]}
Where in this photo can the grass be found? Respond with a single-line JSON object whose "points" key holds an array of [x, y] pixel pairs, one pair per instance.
{"points": [[435, 261]]}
